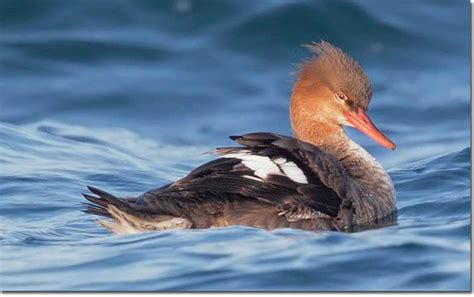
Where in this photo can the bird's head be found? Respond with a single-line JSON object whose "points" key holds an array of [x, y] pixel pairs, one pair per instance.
{"points": [[333, 91]]}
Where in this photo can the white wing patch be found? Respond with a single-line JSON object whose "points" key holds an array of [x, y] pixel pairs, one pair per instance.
{"points": [[253, 177], [293, 172], [264, 166], [279, 161]]}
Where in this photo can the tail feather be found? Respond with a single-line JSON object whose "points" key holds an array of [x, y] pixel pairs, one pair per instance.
{"points": [[102, 203], [95, 200], [100, 192], [95, 209], [128, 217], [107, 197]]}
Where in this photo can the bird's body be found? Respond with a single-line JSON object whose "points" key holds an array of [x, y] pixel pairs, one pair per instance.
{"points": [[317, 180]]}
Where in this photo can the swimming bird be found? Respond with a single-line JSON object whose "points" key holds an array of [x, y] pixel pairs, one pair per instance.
{"points": [[319, 179]]}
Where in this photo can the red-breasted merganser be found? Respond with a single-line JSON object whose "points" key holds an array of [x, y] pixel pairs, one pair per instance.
{"points": [[317, 180]]}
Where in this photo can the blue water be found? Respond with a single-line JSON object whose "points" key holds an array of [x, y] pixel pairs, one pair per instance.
{"points": [[126, 95]]}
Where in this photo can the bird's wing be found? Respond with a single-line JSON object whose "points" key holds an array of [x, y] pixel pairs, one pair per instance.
{"points": [[299, 179]]}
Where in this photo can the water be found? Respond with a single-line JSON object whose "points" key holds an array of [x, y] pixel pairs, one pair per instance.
{"points": [[126, 95]]}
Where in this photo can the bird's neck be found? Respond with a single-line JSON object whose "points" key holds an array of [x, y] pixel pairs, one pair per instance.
{"points": [[358, 163], [329, 137]]}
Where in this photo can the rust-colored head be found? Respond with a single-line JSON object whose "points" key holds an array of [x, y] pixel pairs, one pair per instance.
{"points": [[332, 90]]}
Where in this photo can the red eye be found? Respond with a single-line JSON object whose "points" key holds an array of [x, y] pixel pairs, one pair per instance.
{"points": [[341, 96]]}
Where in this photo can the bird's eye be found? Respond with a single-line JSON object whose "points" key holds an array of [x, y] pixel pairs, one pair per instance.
{"points": [[341, 96]]}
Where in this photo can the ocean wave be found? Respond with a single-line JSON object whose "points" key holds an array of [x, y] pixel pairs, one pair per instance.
{"points": [[48, 164]]}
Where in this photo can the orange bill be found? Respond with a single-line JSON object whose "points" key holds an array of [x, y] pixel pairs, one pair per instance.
{"points": [[362, 122]]}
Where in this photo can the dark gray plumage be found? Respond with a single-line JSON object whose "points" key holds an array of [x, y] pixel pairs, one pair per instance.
{"points": [[218, 193]]}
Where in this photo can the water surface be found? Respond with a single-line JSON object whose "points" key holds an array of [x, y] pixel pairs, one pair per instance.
{"points": [[127, 95]]}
